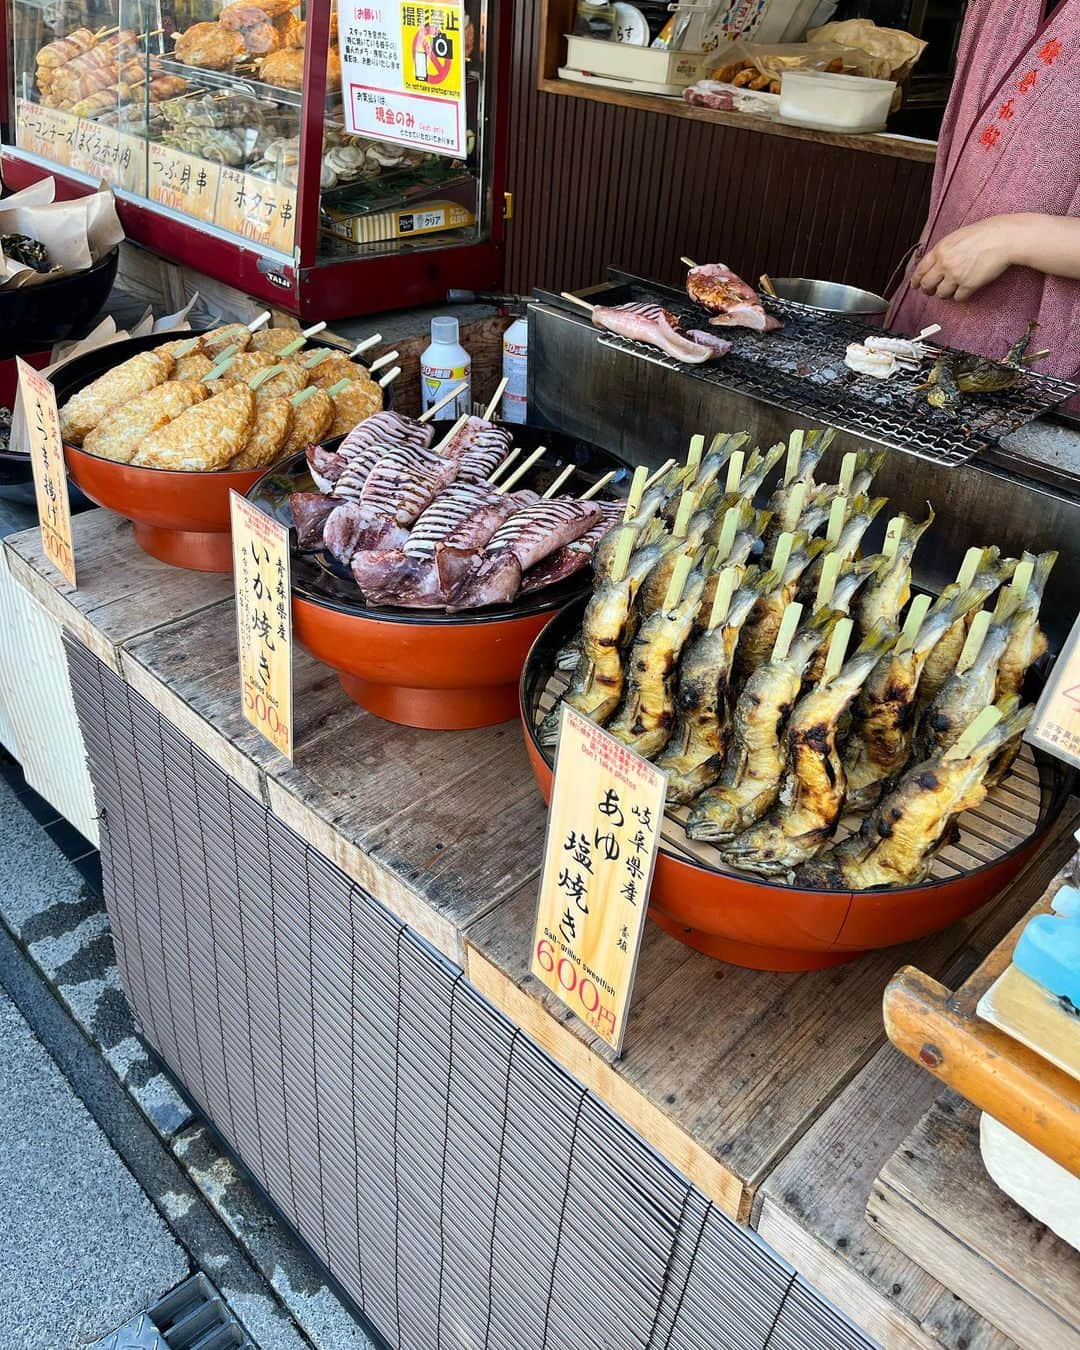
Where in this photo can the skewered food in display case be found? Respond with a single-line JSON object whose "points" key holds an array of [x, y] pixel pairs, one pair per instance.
{"points": [[208, 115], [823, 725]]}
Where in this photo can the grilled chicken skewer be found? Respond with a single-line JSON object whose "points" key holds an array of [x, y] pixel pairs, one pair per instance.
{"points": [[811, 795]]}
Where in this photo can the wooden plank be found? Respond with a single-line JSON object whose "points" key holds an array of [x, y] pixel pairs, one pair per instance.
{"points": [[724, 1068], [1028, 1013], [934, 1200], [122, 590], [822, 1228]]}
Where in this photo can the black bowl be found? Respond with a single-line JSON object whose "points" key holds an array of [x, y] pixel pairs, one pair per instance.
{"points": [[33, 317]]}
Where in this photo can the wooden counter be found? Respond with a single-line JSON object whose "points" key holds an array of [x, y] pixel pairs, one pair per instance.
{"points": [[775, 1094]]}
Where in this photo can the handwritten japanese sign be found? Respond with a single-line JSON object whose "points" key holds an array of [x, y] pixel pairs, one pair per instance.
{"points": [[263, 621], [47, 132], [184, 182], [41, 427], [117, 157], [403, 70], [607, 805], [1055, 727], [260, 210]]}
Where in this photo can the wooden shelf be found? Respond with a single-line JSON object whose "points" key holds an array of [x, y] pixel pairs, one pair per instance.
{"points": [[896, 147]]}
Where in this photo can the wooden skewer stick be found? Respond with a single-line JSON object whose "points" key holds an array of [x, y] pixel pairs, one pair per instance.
{"points": [[438, 407], [969, 567], [501, 468], [837, 650], [261, 376], [453, 432], [693, 455], [637, 489], [894, 532], [365, 344], [782, 553], [677, 583], [302, 395], [735, 471], [975, 638], [260, 322], [1021, 578], [912, 623], [568, 472], [301, 338], [793, 508], [682, 515], [623, 547], [927, 332], [794, 454], [973, 733], [688, 261], [496, 399], [647, 483], [786, 631], [389, 377], [725, 589], [727, 533], [848, 466], [830, 570], [340, 387], [837, 515], [577, 300], [383, 360], [522, 469], [600, 483]]}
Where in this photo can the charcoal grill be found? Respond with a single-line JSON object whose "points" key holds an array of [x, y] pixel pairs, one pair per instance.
{"points": [[800, 368]]}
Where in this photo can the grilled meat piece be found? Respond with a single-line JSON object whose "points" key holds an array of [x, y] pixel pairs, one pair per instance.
{"points": [[310, 511], [496, 581], [716, 288], [719, 347], [208, 46], [537, 530], [652, 325], [575, 556]]}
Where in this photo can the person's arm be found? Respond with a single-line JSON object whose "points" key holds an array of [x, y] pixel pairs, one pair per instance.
{"points": [[973, 256]]}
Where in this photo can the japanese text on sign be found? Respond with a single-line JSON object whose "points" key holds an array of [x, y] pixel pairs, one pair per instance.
{"points": [[1055, 727], [607, 806], [403, 72], [184, 182], [263, 621], [257, 209], [47, 132], [41, 427]]}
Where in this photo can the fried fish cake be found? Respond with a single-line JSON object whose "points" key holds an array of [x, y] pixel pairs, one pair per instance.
{"points": [[359, 399], [336, 368], [84, 410], [119, 435], [311, 421], [287, 381], [181, 347], [192, 367], [244, 365], [273, 339], [273, 422], [206, 437], [231, 335]]}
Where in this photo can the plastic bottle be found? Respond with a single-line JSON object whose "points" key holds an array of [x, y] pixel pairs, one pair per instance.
{"points": [[444, 365], [515, 369]]}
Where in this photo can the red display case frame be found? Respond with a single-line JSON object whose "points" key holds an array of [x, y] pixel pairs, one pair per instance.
{"points": [[305, 285]]}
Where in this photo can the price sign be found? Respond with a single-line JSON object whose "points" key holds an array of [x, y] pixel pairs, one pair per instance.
{"points": [[47, 132], [40, 426], [1055, 726], [263, 620], [258, 209], [402, 71], [603, 829], [105, 152], [183, 181]]}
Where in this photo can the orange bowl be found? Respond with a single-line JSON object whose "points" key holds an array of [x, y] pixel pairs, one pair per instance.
{"points": [[768, 925], [180, 518], [424, 668]]}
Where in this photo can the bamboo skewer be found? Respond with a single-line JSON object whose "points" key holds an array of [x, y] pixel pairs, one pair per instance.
{"points": [[682, 515], [505, 464], [317, 358], [794, 454], [975, 638], [223, 363], [600, 483], [837, 650], [383, 360], [727, 533], [830, 571], [568, 472], [969, 567], [577, 300], [837, 514], [302, 395], [188, 347], [453, 432], [688, 261], [786, 631], [389, 377], [766, 283], [677, 583], [261, 376], [365, 344], [655, 477], [437, 407], [260, 322], [847, 472], [496, 399], [894, 532], [725, 589], [917, 611], [301, 338], [522, 469], [782, 554], [340, 387], [637, 489]]}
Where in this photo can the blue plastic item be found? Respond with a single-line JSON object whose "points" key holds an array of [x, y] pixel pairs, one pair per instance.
{"points": [[1049, 952]]}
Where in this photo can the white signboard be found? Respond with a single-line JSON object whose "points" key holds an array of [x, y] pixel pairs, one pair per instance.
{"points": [[403, 72]]}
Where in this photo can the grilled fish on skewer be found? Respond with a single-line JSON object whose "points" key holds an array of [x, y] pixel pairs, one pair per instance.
{"points": [[888, 591], [646, 715], [860, 513], [852, 576], [84, 410], [755, 760], [119, 435], [883, 718], [207, 436], [988, 575], [971, 686], [694, 755], [812, 793], [897, 841], [761, 628]]}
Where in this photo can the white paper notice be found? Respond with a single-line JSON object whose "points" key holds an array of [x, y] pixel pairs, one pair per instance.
{"points": [[403, 72]]}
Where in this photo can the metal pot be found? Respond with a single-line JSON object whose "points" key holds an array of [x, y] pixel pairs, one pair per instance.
{"points": [[831, 297]]}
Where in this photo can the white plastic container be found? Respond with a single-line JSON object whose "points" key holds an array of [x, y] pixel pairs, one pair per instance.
{"points": [[515, 369], [828, 102], [618, 65], [444, 365]]}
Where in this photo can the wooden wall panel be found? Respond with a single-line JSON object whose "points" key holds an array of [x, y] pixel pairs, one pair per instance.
{"points": [[596, 184]]}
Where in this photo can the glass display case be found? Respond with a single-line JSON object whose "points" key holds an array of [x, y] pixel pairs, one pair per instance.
{"points": [[335, 160]]}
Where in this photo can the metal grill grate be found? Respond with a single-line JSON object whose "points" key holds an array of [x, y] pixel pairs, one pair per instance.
{"points": [[800, 367]]}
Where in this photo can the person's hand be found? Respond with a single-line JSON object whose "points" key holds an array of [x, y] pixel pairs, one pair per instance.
{"points": [[968, 259]]}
